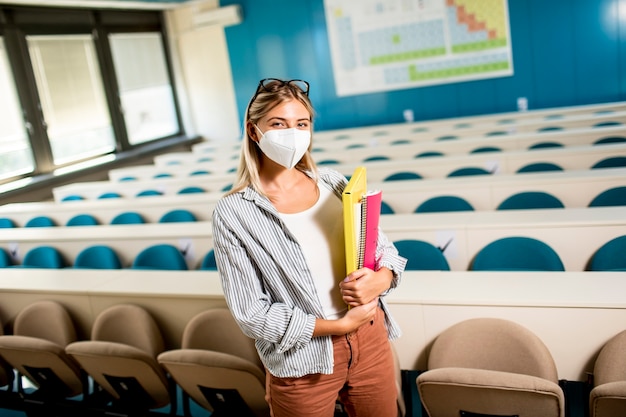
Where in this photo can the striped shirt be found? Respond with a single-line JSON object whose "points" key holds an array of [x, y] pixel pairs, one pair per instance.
{"points": [[269, 287]]}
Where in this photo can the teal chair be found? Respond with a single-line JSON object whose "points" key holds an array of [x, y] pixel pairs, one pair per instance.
{"points": [[148, 193], [612, 197], [545, 145], [609, 140], [539, 167], [160, 256], [517, 253], [467, 171], [374, 158], [191, 190], [403, 176], [6, 223], [73, 197], [98, 257], [208, 262], [610, 257], [486, 149], [109, 195], [5, 259], [444, 203], [529, 200], [44, 257], [385, 208], [128, 217], [178, 215], [82, 220], [40, 221], [421, 256], [429, 154], [611, 162]]}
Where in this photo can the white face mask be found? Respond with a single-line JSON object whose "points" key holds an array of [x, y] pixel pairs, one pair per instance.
{"points": [[285, 146]]}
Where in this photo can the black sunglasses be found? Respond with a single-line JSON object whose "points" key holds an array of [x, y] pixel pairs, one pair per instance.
{"points": [[270, 85]]}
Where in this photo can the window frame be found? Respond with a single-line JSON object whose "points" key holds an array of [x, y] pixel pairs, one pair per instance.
{"points": [[18, 22]]}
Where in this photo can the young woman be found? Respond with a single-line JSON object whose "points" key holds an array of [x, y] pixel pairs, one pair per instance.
{"points": [[279, 247]]}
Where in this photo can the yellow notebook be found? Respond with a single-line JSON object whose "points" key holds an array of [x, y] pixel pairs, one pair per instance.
{"points": [[351, 199]]}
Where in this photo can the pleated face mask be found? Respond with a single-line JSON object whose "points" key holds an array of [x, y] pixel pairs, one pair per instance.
{"points": [[285, 146]]}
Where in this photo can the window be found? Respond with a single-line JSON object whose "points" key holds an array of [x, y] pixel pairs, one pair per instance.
{"points": [[72, 96], [16, 157], [145, 91]]}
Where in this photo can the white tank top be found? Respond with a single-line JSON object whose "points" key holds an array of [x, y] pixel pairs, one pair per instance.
{"points": [[319, 231]]}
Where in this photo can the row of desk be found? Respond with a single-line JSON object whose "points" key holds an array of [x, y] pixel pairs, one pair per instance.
{"points": [[574, 313], [575, 234]]}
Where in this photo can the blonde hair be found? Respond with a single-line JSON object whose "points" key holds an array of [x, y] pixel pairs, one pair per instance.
{"points": [[267, 97]]}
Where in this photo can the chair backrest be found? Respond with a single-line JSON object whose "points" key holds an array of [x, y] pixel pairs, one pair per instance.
{"points": [[82, 220], [47, 320], [200, 333], [72, 197], [128, 217], [428, 154], [610, 162], [401, 176], [493, 344], [148, 193], [36, 349], [191, 190], [466, 171], [485, 149], [517, 253], [208, 262], [444, 203], [5, 258], [98, 257], [615, 196], [111, 194], [44, 257], [160, 256], [40, 221], [385, 208], [131, 325], [178, 215], [421, 255], [545, 145], [610, 366], [610, 139], [6, 223], [539, 167], [529, 200], [611, 256]]}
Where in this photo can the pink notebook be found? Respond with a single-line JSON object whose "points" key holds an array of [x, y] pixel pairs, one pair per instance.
{"points": [[370, 219]]}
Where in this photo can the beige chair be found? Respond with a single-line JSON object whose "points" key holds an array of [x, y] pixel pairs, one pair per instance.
{"points": [[36, 349], [218, 366], [608, 397], [121, 359], [6, 370], [490, 366]]}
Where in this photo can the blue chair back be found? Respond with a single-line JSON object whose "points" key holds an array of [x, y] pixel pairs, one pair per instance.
{"points": [[82, 220], [73, 197], [5, 259], [444, 203], [208, 262], [462, 172], [611, 162], [485, 149], [421, 256], [40, 221], [148, 193], [160, 256], [610, 139], [6, 223], [386, 208], [98, 257], [529, 200], [545, 145], [402, 176], [178, 215], [191, 190], [517, 253], [109, 195], [611, 256], [539, 167], [44, 257], [429, 154], [128, 217], [612, 197]]}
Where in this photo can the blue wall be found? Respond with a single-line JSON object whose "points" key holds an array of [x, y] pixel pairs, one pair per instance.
{"points": [[565, 53]]}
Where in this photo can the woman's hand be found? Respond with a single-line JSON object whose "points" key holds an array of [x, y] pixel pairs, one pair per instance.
{"points": [[364, 285], [356, 316]]}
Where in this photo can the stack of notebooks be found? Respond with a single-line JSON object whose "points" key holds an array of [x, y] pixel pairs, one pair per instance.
{"points": [[361, 216]]}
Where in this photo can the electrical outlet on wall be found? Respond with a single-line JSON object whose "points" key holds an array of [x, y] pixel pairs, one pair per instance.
{"points": [[522, 104]]}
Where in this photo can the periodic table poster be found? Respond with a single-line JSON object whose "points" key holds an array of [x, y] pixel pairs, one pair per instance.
{"points": [[383, 45]]}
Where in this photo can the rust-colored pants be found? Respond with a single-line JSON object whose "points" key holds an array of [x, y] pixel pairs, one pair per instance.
{"points": [[363, 378]]}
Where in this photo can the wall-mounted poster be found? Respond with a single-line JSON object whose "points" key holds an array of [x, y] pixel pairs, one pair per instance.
{"points": [[382, 45]]}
